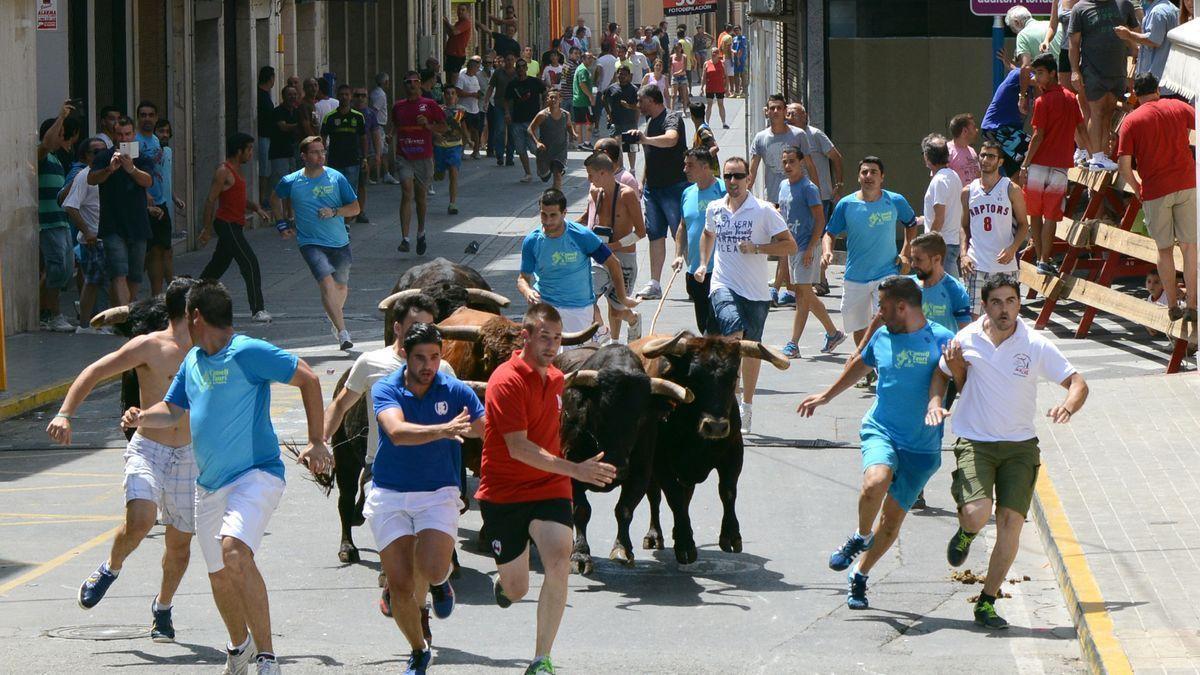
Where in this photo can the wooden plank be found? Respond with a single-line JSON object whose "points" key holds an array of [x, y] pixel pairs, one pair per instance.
{"points": [[1095, 180], [1129, 243]]}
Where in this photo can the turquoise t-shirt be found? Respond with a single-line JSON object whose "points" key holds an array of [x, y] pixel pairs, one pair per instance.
{"points": [[562, 265], [150, 148], [947, 303], [694, 205], [330, 189], [905, 363], [870, 229], [168, 182], [229, 397]]}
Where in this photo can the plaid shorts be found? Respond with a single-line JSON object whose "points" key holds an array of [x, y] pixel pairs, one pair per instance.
{"points": [[165, 476], [92, 262]]}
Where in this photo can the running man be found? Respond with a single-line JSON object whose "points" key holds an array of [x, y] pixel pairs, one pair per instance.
{"points": [[996, 362], [319, 200], [705, 188], [225, 384], [614, 213], [993, 222], [900, 452], [550, 130], [412, 500], [414, 121], [160, 470], [525, 483]]}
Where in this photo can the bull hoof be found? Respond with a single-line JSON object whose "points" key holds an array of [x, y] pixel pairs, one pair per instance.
{"points": [[581, 563], [348, 554], [685, 554], [622, 555], [653, 541], [731, 544]]}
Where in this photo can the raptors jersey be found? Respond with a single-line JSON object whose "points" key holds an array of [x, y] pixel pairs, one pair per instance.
{"points": [[992, 228]]}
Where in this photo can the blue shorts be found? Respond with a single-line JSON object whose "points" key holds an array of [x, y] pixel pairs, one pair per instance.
{"points": [[662, 207], [734, 313], [910, 470], [261, 153], [58, 257], [445, 159], [124, 257], [92, 262], [324, 261]]}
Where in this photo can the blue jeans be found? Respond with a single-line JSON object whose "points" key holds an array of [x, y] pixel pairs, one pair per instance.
{"points": [[663, 207], [124, 257], [497, 132], [324, 261], [950, 262], [733, 314]]}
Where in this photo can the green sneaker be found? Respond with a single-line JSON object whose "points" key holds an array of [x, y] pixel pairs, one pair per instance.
{"points": [[541, 665], [959, 547], [986, 616]]}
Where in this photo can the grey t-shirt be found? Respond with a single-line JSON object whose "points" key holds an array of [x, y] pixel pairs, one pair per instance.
{"points": [[1101, 51], [820, 145], [769, 146], [500, 80]]}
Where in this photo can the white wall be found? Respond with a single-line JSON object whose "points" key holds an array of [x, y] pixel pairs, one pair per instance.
{"points": [[18, 168], [53, 77]]}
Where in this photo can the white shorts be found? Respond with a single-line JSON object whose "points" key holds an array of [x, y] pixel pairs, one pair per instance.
{"points": [[240, 510], [393, 514], [576, 319], [860, 303], [165, 476]]}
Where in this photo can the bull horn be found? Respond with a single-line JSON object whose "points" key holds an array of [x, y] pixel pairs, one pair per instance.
{"points": [[111, 317], [464, 333], [582, 378], [757, 350], [658, 347], [479, 294], [386, 303], [480, 388], [572, 339], [676, 392]]}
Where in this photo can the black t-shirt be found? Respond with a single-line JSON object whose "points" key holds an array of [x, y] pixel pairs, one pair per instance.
{"points": [[345, 134], [283, 143], [620, 115], [122, 201], [526, 98], [664, 166], [505, 45], [266, 110]]}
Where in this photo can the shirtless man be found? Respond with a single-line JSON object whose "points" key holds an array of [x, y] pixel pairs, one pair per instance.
{"points": [[160, 469], [614, 213]]}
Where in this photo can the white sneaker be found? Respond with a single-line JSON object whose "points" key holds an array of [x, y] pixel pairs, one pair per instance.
{"points": [[390, 179], [431, 191], [372, 181], [344, 340], [239, 664], [83, 330], [268, 667], [635, 328], [1081, 157], [651, 291], [59, 324], [261, 316], [1100, 162], [747, 412], [527, 178]]}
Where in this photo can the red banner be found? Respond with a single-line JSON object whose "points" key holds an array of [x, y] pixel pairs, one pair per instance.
{"points": [[681, 7]]}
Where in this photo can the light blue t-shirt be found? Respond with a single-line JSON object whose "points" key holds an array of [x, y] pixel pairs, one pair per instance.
{"points": [[562, 265], [168, 181], [229, 397], [1161, 16], [151, 149], [946, 303], [694, 204], [870, 229], [905, 363], [429, 466], [330, 189], [795, 205]]}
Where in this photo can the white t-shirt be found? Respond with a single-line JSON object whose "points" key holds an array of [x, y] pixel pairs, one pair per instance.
{"points": [[945, 188], [641, 66], [606, 70], [86, 198], [379, 103], [552, 70], [745, 274], [469, 84], [368, 369], [999, 401], [324, 107]]}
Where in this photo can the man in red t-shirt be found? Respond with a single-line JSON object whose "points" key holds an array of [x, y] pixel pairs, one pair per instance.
{"points": [[414, 121], [525, 483], [1155, 136], [1056, 121], [458, 36]]}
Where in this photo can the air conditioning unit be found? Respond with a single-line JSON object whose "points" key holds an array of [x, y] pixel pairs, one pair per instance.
{"points": [[767, 9]]}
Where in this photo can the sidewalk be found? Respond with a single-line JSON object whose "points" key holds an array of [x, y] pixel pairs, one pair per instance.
{"points": [[42, 365]]}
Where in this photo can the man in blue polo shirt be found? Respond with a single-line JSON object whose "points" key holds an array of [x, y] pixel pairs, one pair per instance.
{"points": [[225, 384], [413, 499], [705, 187]]}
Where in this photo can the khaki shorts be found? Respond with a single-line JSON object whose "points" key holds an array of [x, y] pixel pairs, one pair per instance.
{"points": [[1172, 218], [1004, 471], [418, 170]]}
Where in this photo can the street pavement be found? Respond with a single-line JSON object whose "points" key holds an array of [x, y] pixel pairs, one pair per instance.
{"points": [[774, 608]]}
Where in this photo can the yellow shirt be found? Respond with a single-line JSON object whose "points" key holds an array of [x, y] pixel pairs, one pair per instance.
{"points": [[687, 52]]}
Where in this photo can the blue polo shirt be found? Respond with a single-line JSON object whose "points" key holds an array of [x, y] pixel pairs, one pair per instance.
{"points": [[429, 466], [308, 195], [561, 265], [692, 208], [229, 397], [870, 229], [945, 303], [905, 363]]}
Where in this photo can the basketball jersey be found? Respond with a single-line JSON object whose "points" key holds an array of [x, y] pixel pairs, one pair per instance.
{"points": [[992, 227]]}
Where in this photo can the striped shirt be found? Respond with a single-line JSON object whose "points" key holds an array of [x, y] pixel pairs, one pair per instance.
{"points": [[51, 179]]}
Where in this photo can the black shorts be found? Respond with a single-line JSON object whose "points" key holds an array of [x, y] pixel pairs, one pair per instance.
{"points": [[454, 64], [581, 114], [506, 526], [474, 121], [160, 229], [1064, 61], [710, 95]]}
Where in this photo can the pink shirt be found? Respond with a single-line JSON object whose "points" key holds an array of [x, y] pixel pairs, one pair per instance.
{"points": [[965, 162]]}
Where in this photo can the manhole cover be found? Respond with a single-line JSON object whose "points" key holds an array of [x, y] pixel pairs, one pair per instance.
{"points": [[707, 567], [99, 632]]}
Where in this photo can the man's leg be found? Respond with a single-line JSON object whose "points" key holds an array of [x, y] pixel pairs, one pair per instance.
{"points": [[398, 561], [1189, 274], [139, 518], [248, 583], [1166, 271], [333, 298], [421, 195], [890, 520], [154, 269], [176, 554], [750, 368], [406, 206], [553, 541], [1099, 121], [720, 109], [876, 479], [1041, 250], [454, 184], [228, 598], [1008, 540], [805, 294], [120, 290]]}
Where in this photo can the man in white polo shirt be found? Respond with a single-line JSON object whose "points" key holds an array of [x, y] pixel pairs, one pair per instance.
{"points": [[996, 362]]}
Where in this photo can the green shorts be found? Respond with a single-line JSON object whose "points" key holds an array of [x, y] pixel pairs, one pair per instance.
{"points": [[1004, 471]]}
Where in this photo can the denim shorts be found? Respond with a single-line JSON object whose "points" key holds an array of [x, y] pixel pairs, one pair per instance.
{"points": [[734, 313], [520, 139], [662, 209], [910, 470], [446, 158], [124, 257], [58, 256], [92, 262], [261, 154], [324, 261]]}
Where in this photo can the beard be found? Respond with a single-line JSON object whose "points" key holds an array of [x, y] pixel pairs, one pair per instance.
{"points": [[922, 274]]}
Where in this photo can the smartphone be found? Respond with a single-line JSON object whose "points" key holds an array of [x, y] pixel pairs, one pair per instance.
{"points": [[630, 137], [130, 149]]}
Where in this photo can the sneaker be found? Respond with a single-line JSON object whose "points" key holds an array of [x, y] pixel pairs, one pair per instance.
{"points": [[724, 126], [651, 291], [362, 219], [452, 209], [403, 247], [774, 295], [586, 147], [267, 665], [390, 179], [372, 181], [421, 244], [238, 662], [92, 591], [161, 627], [842, 557], [747, 413], [541, 665], [920, 502], [430, 191], [867, 382], [527, 178], [634, 331], [959, 547], [509, 162], [499, 161], [385, 602], [85, 330], [857, 597], [791, 350], [261, 316], [344, 341], [1047, 269], [787, 299], [1081, 157], [501, 599], [1176, 312], [418, 662], [986, 616], [1100, 162], [443, 600], [59, 324], [832, 340], [821, 289]]}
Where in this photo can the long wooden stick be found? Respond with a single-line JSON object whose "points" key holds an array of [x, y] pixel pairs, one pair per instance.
{"points": [[666, 292]]}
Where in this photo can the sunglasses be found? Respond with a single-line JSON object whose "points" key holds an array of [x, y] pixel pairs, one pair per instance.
{"points": [[413, 81], [736, 176], [360, 96]]}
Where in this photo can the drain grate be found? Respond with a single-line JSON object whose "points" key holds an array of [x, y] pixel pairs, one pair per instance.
{"points": [[809, 443], [99, 632]]}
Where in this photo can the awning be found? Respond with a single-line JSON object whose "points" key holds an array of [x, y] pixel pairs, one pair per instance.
{"points": [[1182, 72]]}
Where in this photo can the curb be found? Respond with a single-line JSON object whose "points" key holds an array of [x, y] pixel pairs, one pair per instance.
{"points": [[1098, 641], [43, 396]]}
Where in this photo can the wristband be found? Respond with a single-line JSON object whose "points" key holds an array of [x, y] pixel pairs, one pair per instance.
{"points": [[282, 225], [63, 415]]}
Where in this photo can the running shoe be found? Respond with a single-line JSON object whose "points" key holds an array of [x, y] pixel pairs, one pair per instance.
{"points": [[651, 291], [959, 547], [431, 191], [390, 179], [261, 316], [501, 599], [418, 661], [920, 502], [774, 295], [857, 597], [527, 178], [1101, 162], [452, 209], [1081, 157], [832, 340], [1176, 312], [421, 244], [92, 591], [541, 665], [787, 299], [867, 382], [724, 126], [372, 181], [791, 351], [161, 628], [821, 288], [841, 558], [403, 247], [747, 413], [443, 599], [499, 161], [986, 616], [385, 602], [267, 665], [1047, 268], [344, 341], [238, 662], [635, 328], [362, 219], [60, 324]]}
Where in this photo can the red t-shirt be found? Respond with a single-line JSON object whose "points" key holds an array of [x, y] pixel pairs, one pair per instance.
{"points": [[1056, 114], [456, 44], [414, 141], [714, 78], [520, 400], [1156, 136]]}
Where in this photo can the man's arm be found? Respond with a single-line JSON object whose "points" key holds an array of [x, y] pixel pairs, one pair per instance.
{"points": [[76, 219], [1125, 166], [633, 211], [935, 413], [835, 167], [402, 432], [811, 169], [1035, 141], [939, 218], [338, 407], [754, 161], [157, 416], [220, 176], [591, 471], [1073, 55], [681, 246], [1017, 197], [1077, 393], [781, 243], [666, 140], [129, 356], [618, 278], [526, 289], [707, 239], [964, 262], [855, 370], [55, 131], [316, 455]]}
